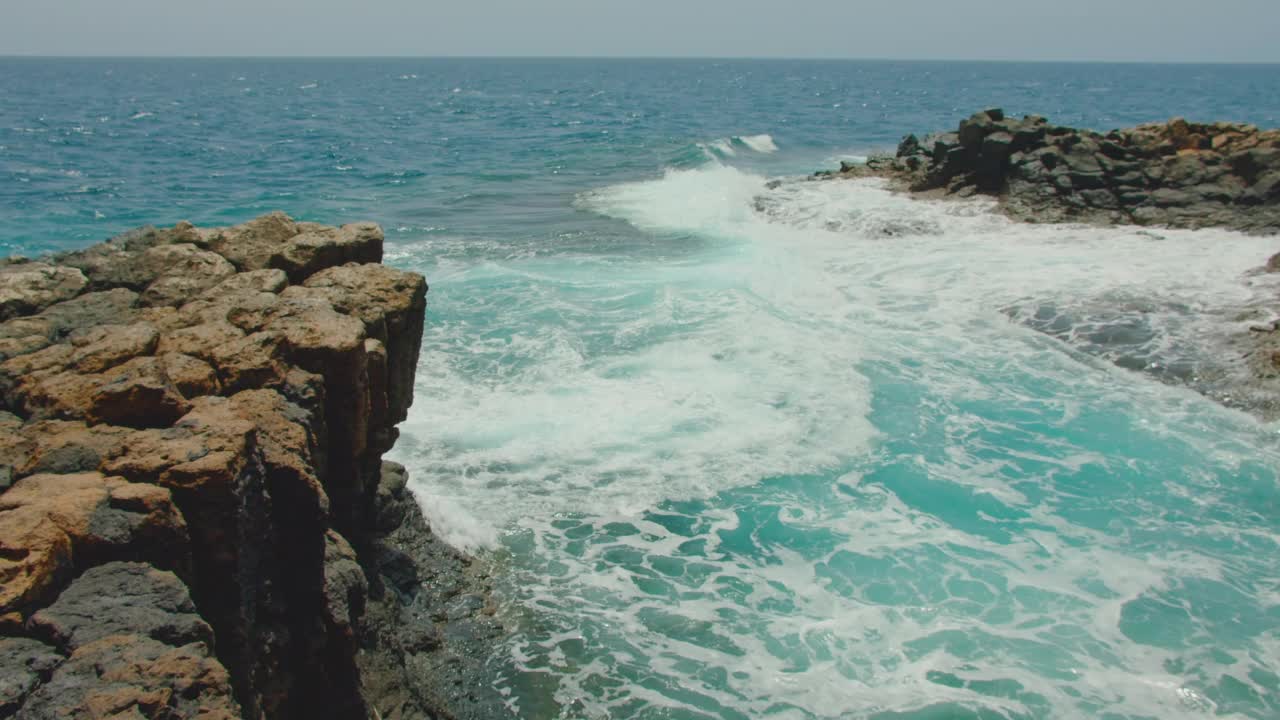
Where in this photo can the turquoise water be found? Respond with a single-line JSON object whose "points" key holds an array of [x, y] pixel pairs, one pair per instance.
{"points": [[748, 452]]}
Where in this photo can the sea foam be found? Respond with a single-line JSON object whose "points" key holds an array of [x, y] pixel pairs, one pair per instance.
{"points": [[814, 464]]}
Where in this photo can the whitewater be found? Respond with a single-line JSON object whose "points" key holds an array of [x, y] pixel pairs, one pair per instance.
{"points": [[805, 458]]}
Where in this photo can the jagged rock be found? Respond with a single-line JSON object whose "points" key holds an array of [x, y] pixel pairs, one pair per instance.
{"points": [[92, 309], [63, 447], [122, 598], [137, 393], [187, 271], [184, 405], [191, 376], [1177, 173], [345, 587], [319, 248], [160, 270], [389, 507], [52, 524], [24, 664], [129, 676], [393, 311], [106, 346], [250, 246], [30, 287]]}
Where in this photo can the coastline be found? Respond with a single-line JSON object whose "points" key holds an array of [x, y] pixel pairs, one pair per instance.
{"points": [[196, 518], [1176, 174], [197, 421]]}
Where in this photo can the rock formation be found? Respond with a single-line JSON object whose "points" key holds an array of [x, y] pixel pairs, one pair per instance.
{"points": [[1175, 174], [195, 517]]}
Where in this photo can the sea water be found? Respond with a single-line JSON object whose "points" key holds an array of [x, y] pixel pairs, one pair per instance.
{"points": [[737, 450]]}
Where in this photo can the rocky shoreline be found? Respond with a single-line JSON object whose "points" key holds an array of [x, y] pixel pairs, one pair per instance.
{"points": [[195, 516], [1175, 174]]}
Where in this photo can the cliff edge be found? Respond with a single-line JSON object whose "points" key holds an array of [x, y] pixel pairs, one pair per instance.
{"points": [[195, 517]]}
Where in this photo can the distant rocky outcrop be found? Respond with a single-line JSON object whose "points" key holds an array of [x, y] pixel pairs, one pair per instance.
{"points": [[1174, 174], [195, 516]]}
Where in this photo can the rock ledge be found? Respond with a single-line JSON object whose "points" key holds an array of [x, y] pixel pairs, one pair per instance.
{"points": [[193, 502]]}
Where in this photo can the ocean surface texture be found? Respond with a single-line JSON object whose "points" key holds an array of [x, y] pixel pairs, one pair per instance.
{"points": [[739, 452]]}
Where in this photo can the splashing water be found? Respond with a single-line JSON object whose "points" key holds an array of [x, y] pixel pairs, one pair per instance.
{"points": [[800, 459]]}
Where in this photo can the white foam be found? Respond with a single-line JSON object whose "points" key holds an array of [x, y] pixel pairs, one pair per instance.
{"points": [[759, 143], [723, 147], [592, 389]]}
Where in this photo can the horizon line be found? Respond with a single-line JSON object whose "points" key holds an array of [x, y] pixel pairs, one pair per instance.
{"points": [[747, 58]]}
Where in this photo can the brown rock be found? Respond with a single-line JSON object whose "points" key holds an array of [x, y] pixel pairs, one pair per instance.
{"points": [[183, 271], [106, 346], [199, 340], [251, 362], [191, 376], [393, 306], [28, 288], [130, 676], [137, 393], [315, 250], [50, 525], [65, 447], [289, 451], [255, 281], [250, 246]]}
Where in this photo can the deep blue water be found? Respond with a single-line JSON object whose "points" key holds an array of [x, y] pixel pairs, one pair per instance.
{"points": [[746, 452]]}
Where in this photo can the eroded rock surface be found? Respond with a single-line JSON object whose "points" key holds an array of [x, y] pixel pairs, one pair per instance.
{"points": [[192, 424]]}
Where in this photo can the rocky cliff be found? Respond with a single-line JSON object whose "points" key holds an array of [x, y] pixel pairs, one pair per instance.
{"points": [[195, 517], [1174, 174]]}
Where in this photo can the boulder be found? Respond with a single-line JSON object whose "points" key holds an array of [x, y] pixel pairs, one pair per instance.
{"points": [[24, 664], [27, 288], [316, 249], [132, 676], [251, 246], [122, 598], [50, 525]]}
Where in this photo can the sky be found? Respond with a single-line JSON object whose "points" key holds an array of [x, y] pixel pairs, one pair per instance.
{"points": [[1104, 30]]}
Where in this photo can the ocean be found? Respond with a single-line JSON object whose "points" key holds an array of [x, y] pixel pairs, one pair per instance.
{"points": [[736, 451]]}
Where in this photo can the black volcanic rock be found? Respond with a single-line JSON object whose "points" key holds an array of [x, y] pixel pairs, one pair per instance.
{"points": [[1175, 174]]}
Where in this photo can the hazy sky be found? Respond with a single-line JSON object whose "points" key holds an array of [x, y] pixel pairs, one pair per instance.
{"points": [[1161, 30]]}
